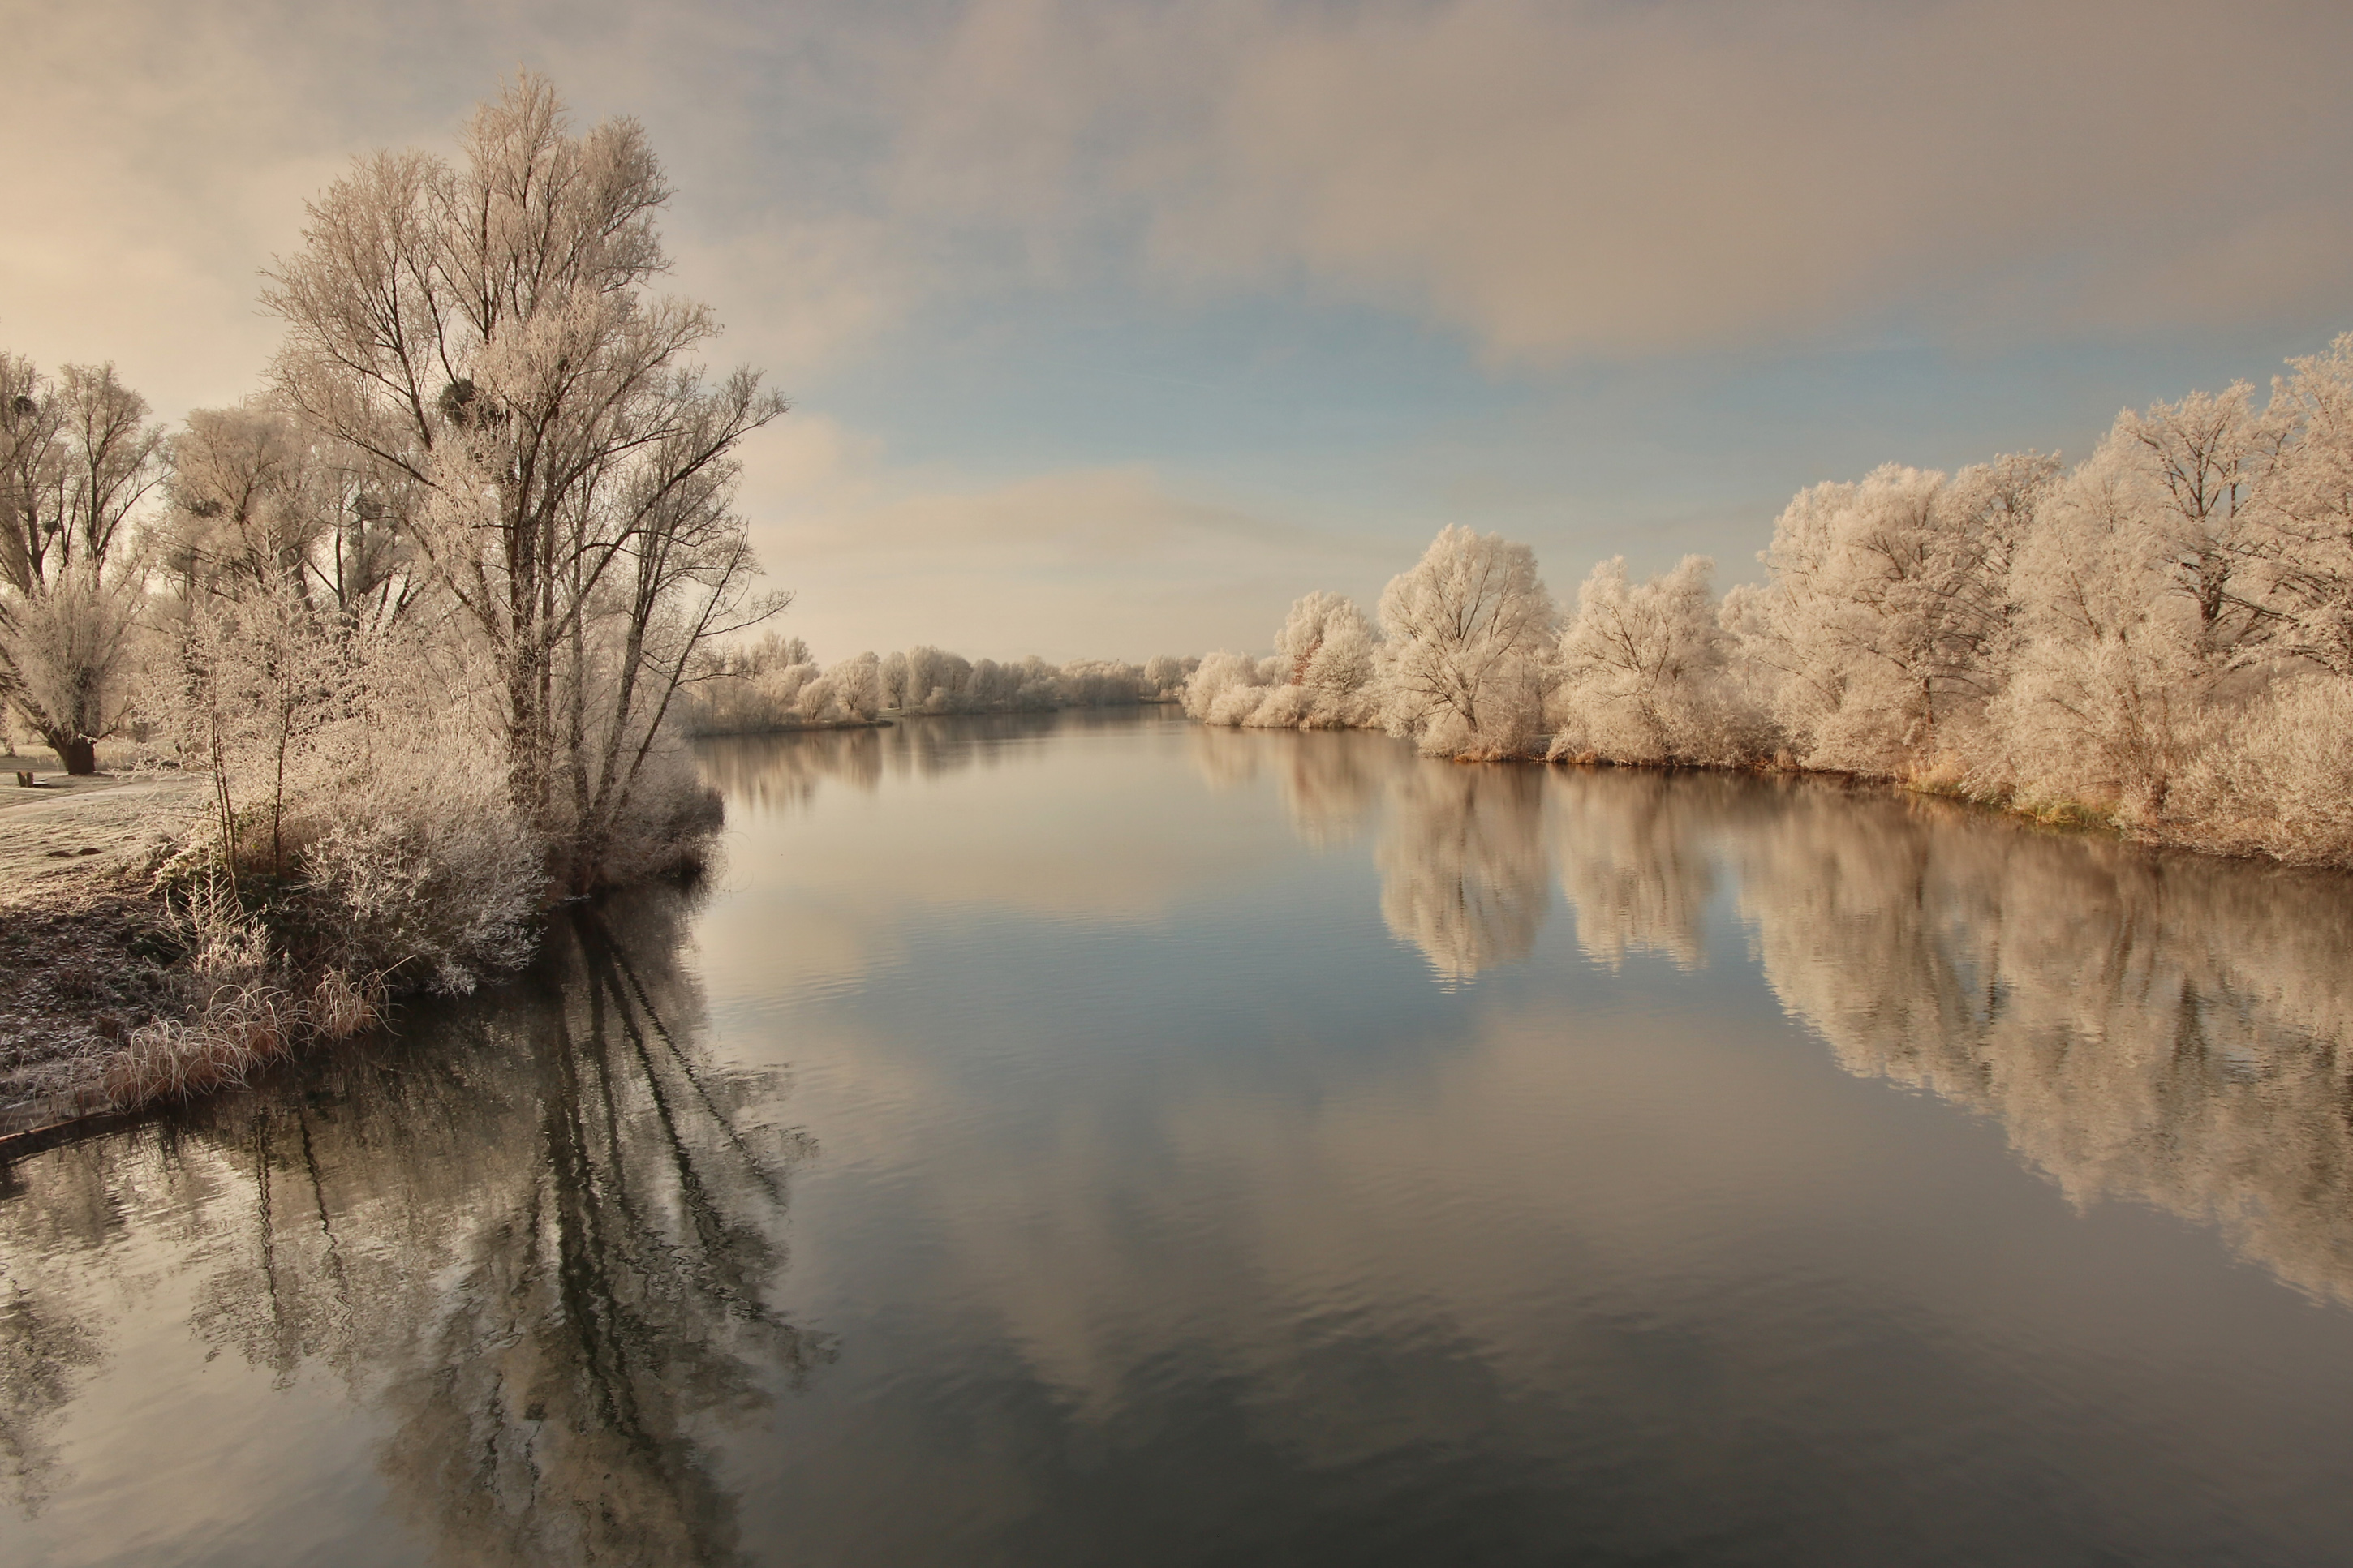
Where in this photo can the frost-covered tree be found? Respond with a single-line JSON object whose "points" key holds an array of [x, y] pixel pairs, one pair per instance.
{"points": [[79, 458], [2185, 473], [1641, 670], [1465, 659], [2302, 533], [487, 331], [1329, 645], [1321, 677], [2108, 689], [1887, 609], [255, 498], [936, 679], [1165, 674]]}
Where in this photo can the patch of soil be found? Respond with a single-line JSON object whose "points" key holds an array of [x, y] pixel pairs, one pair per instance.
{"points": [[81, 965]]}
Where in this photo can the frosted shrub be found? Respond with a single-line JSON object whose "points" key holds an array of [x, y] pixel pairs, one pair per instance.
{"points": [[1321, 675], [434, 883], [2280, 782], [363, 782], [675, 818], [1225, 689]]}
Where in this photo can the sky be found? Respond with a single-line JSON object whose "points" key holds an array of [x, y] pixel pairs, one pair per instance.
{"points": [[1111, 328]]}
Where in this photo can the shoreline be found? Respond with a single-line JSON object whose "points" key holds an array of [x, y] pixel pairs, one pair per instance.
{"points": [[90, 957], [886, 718]]}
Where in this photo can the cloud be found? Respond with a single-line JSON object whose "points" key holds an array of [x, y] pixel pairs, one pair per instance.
{"points": [[1109, 562], [1552, 180], [1558, 179]]}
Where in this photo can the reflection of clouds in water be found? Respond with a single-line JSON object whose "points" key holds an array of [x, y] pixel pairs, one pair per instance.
{"points": [[544, 1248], [1462, 864], [1633, 861]]}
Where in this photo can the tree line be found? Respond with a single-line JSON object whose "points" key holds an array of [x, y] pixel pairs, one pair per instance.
{"points": [[2159, 638], [775, 683]]}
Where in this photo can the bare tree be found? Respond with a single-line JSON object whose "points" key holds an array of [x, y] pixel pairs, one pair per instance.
{"points": [[78, 457], [258, 499], [486, 331]]}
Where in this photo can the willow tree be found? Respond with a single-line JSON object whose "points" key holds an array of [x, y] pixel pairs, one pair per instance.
{"points": [[78, 457], [485, 332]]}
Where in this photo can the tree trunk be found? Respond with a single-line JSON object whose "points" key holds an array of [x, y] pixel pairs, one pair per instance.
{"points": [[80, 757]]}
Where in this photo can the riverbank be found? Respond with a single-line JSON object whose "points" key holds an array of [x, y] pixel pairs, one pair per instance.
{"points": [[89, 957]]}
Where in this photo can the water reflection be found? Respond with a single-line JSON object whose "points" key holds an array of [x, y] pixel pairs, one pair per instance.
{"points": [[774, 772], [1634, 861], [2160, 1028], [44, 1356], [2163, 1028], [1331, 782], [542, 1242], [1464, 864], [1152, 1158]]}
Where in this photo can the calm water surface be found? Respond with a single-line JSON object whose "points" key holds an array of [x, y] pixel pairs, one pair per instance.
{"points": [[1078, 1141]]}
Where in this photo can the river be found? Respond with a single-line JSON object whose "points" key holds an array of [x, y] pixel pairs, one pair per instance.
{"points": [[1099, 1140]]}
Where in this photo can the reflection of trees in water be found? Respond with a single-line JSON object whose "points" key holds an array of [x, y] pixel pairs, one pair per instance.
{"points": [[1462, 863], [2166, 1028], [44, 1356], [546, 1244], [58, 1211], [2161, 1028], [1331, 784], [1460, 850], [782, 772], [1226, 759], [1634, 860]]}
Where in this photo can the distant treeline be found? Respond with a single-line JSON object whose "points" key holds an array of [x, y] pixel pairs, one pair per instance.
{"points": [[2160, 638], [776, 684]]}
